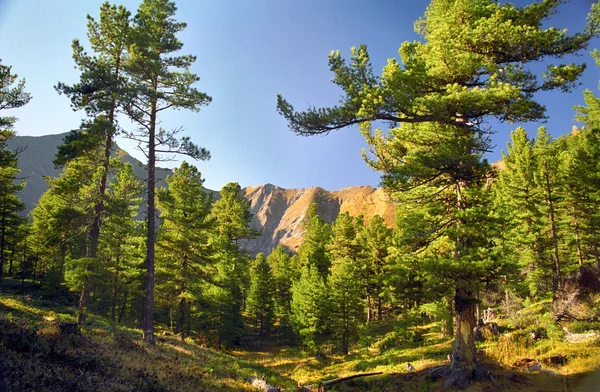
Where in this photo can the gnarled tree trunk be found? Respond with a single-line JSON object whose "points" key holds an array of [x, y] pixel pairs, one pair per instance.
{"points": [[463, 349]]}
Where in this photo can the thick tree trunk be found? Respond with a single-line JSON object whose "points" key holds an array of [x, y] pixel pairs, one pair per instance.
{"points": [[148, 319], [463, 349]]}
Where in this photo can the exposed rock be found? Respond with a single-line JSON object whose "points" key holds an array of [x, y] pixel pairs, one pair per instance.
{"points": [[279, 213]]}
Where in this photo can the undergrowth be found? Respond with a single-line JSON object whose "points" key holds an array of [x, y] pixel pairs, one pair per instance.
{"points": [[35, 356]]}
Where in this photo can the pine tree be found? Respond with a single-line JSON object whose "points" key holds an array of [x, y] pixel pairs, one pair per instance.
{"points": [[313, 251], [11, 97], [280, 263], [310, 313], [473, 64], [345, 301], [183, 238], [260, 294], [546, 179], [121, 240], [520, 201], [159, 81], [231, 219], [99, 92], [376, 239]]}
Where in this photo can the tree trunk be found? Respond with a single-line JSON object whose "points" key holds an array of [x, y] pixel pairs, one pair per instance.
{"points": [[94, 231], [12, 257], [2, 240], [123, 306], [463, 349], [115, 290], [379, 309], [551, 216], [148, 319], [577, 239]]}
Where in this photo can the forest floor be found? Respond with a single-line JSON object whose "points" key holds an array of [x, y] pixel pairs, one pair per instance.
{"points": [[36, 354], [504, 356]]}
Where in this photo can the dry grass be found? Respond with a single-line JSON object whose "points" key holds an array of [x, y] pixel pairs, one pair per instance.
{"points": [[34, 356]]}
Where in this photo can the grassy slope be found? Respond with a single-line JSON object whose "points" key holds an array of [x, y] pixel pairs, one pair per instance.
{"points": [[33, 356], [498, 354]]}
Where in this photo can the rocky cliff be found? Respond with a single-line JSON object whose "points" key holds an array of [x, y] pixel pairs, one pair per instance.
{"points": [[278, 212]]}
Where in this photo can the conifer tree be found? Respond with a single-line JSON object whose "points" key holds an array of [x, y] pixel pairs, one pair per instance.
{"points": [[121, 240], [313, 251], [473, 64], [521, 203], [375, 238], [100, 93], [310, 312], [260, 294], [580, 177], [345, 301], [11, 97], [280, 263], [159, 80], [183, 238], [231, 219]]}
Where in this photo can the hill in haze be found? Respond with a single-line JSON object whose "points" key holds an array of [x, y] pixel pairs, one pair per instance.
{"points": [[278, 212]]}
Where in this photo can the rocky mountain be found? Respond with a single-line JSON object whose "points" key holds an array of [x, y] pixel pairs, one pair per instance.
{"points": [[278, 212]]}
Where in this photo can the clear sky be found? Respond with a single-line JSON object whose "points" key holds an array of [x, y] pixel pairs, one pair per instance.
{"points": [[249, 51]]}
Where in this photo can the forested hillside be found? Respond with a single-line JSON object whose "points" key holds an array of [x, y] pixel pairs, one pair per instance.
{"points": [[456, 274]]}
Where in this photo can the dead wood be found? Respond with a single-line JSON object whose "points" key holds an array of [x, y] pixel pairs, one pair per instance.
{"points": [[322, 386]]}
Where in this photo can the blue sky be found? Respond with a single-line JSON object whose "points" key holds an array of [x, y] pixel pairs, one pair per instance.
{"points": [[248, 52]]}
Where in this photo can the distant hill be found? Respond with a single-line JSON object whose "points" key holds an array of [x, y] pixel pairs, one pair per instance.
{"points": [[278, 212], [35, 162]]}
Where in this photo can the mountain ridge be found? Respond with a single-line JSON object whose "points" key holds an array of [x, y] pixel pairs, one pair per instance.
{"points": [[278, 213]]}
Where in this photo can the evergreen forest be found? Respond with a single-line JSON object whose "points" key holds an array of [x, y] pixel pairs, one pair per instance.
{"points": [[489, 278]]}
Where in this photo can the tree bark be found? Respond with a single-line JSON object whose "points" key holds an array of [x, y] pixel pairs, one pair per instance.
{"points": [[148, 319], [551, 216], [463, 348]]}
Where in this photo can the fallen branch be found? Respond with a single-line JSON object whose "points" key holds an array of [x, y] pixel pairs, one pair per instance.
{"points": [[322, 386]]}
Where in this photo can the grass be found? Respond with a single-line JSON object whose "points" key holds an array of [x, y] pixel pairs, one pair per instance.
{"points": [[34, 356], [498, 354]]}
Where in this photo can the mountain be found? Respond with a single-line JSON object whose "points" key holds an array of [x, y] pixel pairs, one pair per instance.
{"points": [[36, 154], [278, 212]]}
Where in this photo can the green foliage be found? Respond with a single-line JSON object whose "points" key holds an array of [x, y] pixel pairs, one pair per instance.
{"points": [[184, 252], [346, 306], [11, 97], [313, 251], [261, 293], [280, 263], [310, 313]]}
